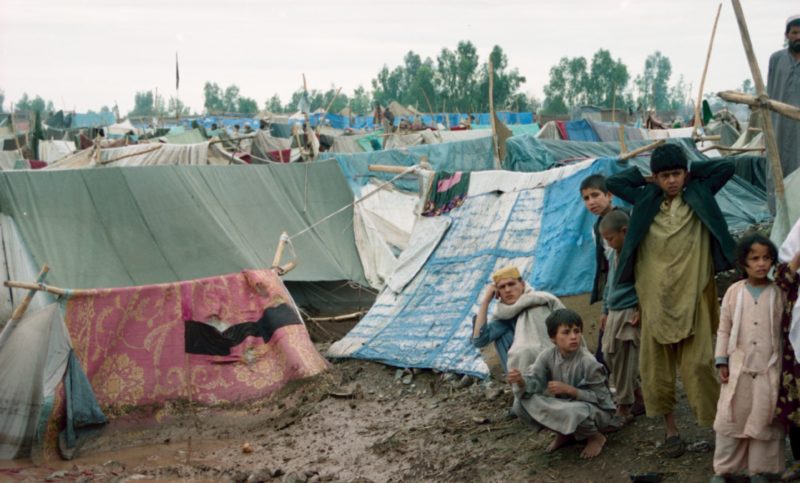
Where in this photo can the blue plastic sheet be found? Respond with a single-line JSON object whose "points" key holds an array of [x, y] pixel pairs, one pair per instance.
{"points": [[581, 131]]}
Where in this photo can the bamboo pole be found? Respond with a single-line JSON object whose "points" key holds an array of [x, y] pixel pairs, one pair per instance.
{"points": [[338, 318], [769, 134], [698, 105], [491, 116], [622, 147], [382, 168], [725, 148], [23, 306], [113, 160], [276, 260], [430, 107], [787, 110], [643, 149], [330, 104]]}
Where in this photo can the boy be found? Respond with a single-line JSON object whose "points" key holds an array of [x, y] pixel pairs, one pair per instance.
{"points": [[620, 306], [565, 390], [677, 239], [597, 200]]}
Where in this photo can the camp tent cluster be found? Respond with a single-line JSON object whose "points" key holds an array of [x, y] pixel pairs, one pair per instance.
{"points": [[160, 242]]}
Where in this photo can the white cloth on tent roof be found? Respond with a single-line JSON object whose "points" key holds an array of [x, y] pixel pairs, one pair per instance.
{"points": [[50, 151], [33, 357]]}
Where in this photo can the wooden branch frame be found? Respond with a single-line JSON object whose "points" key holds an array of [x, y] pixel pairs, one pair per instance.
{"points": [[643, 149]]}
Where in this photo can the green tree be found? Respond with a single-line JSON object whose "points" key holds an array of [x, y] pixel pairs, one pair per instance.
{"points": [[212, 98], [105, 109], [653, 83], [176, 105], [360, 103], [457, 77], [680, 99], [24, 103], [143, 104], [274, 104], [567, 87], [246, 105], [506, 83], [606, 81], [38, 104]]}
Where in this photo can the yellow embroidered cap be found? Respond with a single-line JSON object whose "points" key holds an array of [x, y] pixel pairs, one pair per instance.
{"points": [[506, 272]]}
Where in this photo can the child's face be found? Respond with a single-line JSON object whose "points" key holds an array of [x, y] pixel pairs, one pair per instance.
{"points": [[758, 262], [567, 338], [596, 201], [615, 239], [671, 181]]}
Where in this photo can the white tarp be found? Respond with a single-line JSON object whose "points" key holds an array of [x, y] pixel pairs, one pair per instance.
{"points": [[33, 357], [382, 224], [145, 155], [50, 151]]}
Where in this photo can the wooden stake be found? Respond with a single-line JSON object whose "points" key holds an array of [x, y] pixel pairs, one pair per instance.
{"points": [[698, 107], [622, 147], [276, 260], [769, 134], [643, 149], [497, 164], [22, 307]]}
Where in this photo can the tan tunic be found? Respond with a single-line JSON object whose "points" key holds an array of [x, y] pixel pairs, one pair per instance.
{"points": [[673, 266], [749, 335]]}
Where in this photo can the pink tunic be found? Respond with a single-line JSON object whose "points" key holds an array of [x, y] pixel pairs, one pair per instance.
{"points": [[749, 335]]}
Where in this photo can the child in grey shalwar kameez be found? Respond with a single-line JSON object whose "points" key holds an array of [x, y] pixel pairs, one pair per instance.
{"points": [[566, 389]]}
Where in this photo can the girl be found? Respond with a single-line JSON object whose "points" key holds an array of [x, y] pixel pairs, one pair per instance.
{"points": [[748, 359]]}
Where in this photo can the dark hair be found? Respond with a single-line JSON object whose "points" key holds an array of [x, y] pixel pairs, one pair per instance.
{"points": [[614, 221], [746, 244], [562, 317], [595, 181], [668, 157], [793, 23]]}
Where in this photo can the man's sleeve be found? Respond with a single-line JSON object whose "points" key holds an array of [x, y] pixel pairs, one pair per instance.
{"points": [[626, 184], [489, 332]]}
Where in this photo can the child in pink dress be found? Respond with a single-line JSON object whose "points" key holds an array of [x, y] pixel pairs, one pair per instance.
{"points": [[748, 358]]}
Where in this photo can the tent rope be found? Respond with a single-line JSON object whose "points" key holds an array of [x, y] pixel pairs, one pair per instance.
{"points": [[406, 171]]}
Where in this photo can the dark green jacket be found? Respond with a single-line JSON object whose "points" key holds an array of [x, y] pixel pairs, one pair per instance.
{"points": [[705, 179]]}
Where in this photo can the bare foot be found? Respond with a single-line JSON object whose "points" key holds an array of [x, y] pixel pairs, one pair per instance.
{"points": [[559, 441], [594, 445]]}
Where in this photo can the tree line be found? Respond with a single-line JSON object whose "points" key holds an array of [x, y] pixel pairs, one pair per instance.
{"points": [[455, 80]]}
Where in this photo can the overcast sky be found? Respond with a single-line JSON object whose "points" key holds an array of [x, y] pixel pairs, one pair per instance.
{"points": [[84, 54]]}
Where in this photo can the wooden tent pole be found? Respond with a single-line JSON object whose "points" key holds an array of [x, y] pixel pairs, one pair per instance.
{"points": [[20, 310], [643, 149], [491, 116], [787, 110], [698, 106], [769, 134]]}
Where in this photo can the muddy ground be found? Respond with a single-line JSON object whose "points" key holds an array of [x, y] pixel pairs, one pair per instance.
{"points": [[361, 422]]}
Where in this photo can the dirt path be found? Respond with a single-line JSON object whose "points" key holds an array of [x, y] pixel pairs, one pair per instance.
{"points": [[358, 423]]}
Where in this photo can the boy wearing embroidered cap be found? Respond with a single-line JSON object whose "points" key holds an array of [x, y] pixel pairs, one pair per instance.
{"points": [[677, 239], [517, 327]]}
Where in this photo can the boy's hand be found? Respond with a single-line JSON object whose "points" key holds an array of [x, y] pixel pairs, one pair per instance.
{"points": [[635, 318], [490, 292], [515, 377], [650, 179], [557, 388], [723, 374]]}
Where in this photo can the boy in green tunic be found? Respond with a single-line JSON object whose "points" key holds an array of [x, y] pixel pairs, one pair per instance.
{"points": [[677, 239]]}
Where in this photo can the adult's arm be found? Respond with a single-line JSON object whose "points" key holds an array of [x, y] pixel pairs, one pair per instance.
{"points": [[626, 184], [713, 174]]}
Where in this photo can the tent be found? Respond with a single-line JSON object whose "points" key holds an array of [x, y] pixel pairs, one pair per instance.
{"points": [[99, 354], [423, 317], [162, 224]]}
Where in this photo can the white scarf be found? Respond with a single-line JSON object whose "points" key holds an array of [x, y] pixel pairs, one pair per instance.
{"points": [[530, 333], [788, 249]]}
